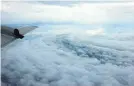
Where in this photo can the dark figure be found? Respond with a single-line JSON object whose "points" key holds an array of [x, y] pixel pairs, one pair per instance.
{"points": [[17, 34]]}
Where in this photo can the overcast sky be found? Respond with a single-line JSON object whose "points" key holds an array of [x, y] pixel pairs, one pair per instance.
{"points": [[82, 12], [77, 14]]}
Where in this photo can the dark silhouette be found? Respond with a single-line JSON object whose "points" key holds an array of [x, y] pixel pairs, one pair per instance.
{"points": [[17, 34]]}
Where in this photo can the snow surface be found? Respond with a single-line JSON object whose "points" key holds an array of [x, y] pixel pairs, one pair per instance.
{"points": [[47, 58]]}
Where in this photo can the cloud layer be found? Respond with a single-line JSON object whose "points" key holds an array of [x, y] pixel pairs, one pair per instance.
{"points": [[62, 60], [81, 13]]}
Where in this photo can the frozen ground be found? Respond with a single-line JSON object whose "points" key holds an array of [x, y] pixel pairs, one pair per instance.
{"points": [[47, 58]]}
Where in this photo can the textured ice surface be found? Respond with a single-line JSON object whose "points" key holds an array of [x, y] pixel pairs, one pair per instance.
{"points": [[49, 59]]}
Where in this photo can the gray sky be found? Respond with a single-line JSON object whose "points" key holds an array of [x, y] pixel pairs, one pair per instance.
{"points": [[82, 12]]}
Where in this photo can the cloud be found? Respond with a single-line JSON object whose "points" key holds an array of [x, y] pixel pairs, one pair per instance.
{"points": [[79, 0], [74, 31], [53, 60], [96, 32], [82, 13]]}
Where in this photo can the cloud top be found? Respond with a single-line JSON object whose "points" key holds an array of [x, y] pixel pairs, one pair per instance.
{"points": [[82, 13]]}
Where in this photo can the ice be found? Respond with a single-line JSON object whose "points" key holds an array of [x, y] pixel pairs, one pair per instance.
{"points": [[51, 59]]}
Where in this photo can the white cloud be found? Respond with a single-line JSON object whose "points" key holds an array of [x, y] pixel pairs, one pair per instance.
{"points": [[79, 0], [85, 13], [96, 32], [75, 31], [54, 60]]}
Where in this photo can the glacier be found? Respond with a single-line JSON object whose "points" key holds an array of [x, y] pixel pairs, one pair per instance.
{"points": [[68, 58]]}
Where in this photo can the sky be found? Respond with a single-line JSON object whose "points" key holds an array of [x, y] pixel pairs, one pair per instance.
{"points": [[114, 15], [88, 43]]}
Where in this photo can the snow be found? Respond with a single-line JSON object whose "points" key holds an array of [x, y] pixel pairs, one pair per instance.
{"points": [[46, 58]]}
